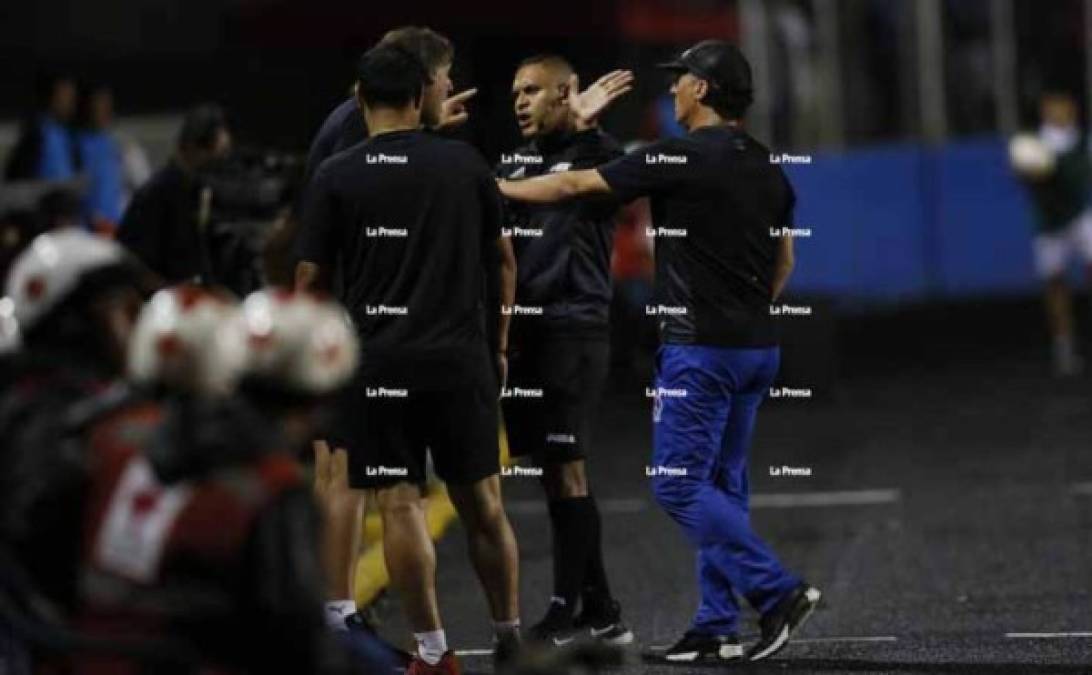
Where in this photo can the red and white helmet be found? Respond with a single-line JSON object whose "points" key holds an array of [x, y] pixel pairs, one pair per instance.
{"points": [[298, 342], [184, 340], [52, 268]]}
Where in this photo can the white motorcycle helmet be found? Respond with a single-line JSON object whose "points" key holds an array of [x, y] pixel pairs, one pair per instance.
{"points": [[297, 343], [53, 268], [184, 341]]}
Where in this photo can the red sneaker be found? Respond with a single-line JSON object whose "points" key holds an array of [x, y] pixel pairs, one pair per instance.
{"points": [[448, 665]]}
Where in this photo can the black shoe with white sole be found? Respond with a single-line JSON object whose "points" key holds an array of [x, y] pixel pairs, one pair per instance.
{"points": [[556, 628], [604, 624], [779, 623], [697, 649]]}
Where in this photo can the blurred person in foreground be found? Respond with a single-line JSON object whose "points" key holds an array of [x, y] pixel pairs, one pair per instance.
{"points": [[201, 530], [559, 349], [1056, 168], [46, 148], [713, 196], [167, 223], [410, 225], [113, 165], [74, 298]]}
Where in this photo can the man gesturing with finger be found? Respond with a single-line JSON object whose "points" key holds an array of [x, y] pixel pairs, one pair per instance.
{"points": [[344, 127], [559, 345]]}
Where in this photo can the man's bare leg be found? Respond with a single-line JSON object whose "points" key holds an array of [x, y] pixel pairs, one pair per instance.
{"points": [[493, 549], [343, 512], [411, 563], [1059, 310]]}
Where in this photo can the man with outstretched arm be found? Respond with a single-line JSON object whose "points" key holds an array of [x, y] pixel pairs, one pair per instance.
{"points": [[559, 350], [714, 198]]}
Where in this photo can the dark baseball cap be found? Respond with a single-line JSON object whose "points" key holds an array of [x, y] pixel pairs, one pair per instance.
{"points": [[719, 63]]}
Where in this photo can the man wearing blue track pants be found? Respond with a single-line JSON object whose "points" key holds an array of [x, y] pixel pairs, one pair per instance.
{"points": [[716, 201]]}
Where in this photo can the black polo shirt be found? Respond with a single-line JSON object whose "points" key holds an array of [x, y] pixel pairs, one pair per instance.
{"points": [[715, 196], [342, 129], [409, 220], [563, 250]]}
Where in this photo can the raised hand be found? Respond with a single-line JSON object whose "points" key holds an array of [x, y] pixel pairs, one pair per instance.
{"points": [[587, 105], [453, 112]]}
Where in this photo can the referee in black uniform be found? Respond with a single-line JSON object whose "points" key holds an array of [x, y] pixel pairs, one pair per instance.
{"points": [[559, 349], [714, 198], [409, 221]]}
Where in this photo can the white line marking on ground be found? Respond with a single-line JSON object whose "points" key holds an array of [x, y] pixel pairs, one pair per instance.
{"points": [[800, 641], [473, 652], [836, 498], [1039, 636], [776, 500], [861, 638], [537, 507]]}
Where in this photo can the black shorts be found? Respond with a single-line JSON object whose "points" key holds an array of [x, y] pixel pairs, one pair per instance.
{"points": [[388, 434], [554, 387]]}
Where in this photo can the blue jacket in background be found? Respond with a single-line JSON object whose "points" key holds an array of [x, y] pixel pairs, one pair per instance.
{"points": [[102, 161]]}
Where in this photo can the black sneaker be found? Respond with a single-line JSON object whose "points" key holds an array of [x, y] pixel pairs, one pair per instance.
{"points": [[505, 651], [698, 649], [604, 624], [556, 627], [779, 623]]}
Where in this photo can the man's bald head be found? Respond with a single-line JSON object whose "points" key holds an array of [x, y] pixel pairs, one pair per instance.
{"points": [[540, 91]]}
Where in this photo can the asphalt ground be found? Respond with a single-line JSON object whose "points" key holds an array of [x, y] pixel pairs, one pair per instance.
{"points": [[947, 518]]}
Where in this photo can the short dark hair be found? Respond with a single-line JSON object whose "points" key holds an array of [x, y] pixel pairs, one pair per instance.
{"points": [[431, 49], [201, 125], [731, 105], [390, 76], [551, 60]]}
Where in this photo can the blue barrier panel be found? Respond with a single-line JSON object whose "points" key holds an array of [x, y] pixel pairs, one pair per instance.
{"points": [[984, 222], [866, 212], [909, 223]]}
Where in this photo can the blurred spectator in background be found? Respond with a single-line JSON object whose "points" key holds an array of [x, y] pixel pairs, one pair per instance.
{"points": [[114, 165], [167, 223], [1058, 174], [45, 149]]}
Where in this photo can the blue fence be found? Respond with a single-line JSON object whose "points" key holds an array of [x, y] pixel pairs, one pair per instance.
{"points": [[910, 223]]}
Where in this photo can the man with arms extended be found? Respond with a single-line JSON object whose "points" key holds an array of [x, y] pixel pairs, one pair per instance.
{"points": [[714, 197], [408, 220], [559, 347]]}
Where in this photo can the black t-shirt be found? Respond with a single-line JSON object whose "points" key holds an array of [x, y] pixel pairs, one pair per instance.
{"points": [[563, 250], [342, 129], [409, 220], [715, 196]]}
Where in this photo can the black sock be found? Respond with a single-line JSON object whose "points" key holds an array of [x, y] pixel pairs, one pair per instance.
{"points": [[595, 594], [571, 521]]}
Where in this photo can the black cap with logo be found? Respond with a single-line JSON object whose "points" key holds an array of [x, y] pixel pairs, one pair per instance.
{"points": [[723, 66]]}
